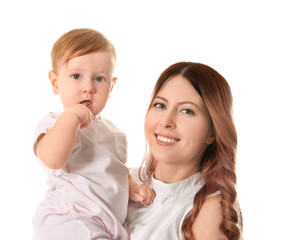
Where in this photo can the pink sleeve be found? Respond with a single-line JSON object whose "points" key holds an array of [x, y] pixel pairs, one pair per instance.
{"points": [[43, 127]]}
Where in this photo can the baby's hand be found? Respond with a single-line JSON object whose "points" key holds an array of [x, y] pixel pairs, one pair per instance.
{"points": [[142, 194], [83, 113]]}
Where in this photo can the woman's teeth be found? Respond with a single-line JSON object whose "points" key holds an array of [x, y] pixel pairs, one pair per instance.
{"points": [[167, 140]]}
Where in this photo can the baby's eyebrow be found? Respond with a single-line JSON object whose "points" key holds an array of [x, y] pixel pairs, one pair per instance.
{"points": [[74, 69]]}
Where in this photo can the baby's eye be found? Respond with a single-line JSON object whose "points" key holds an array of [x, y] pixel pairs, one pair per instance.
{"points": [[187, 111], [159, 105], [76, 76], [100, 79]]}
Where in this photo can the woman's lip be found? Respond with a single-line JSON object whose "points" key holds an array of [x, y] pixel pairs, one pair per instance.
{"points": [[166, 140]]}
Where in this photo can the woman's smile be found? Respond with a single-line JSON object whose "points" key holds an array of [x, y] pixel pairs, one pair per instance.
{"points": [[165, 140], [177, 124]]}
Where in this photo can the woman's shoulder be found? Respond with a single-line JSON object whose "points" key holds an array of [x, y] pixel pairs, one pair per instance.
{"points": [[207, 223]]}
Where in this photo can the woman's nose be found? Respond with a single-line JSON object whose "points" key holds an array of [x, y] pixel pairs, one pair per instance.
{"points": [[168, 120]]}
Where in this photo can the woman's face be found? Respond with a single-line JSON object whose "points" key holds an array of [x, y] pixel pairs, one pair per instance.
{"points": [[177, 125]]}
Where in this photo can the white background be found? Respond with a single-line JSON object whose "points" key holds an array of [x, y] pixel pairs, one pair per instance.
{"points": [[240, 39]]}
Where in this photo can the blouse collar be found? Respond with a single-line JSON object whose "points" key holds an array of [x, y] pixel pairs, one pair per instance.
{"points": [[165, 190]]}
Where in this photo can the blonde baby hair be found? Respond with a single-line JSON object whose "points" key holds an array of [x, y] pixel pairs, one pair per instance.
{"points": [[79, 42]]}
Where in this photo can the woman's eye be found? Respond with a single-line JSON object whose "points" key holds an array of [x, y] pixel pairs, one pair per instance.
{"points": [[187, 111], [159, 105], [100, 79], [76, 76]]}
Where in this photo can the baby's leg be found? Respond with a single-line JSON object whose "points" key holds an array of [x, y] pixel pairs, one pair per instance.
{"points": [[70, 229]]}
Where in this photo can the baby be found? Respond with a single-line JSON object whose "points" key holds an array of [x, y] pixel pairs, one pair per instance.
{"points": [[83, 154]]}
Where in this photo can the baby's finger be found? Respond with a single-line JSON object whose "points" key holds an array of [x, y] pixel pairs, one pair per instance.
{"points": [[88, 121], [138, 197], [150, 197], [135, 196], [143, 192]]}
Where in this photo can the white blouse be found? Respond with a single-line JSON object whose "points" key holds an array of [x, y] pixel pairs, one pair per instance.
{"points": [[164, 217]]}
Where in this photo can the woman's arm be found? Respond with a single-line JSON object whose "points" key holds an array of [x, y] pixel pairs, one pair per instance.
{"points": [[207, 223], [55, 147]]}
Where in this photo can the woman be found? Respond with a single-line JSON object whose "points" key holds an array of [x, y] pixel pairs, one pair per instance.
{"points": [[190, 162]]}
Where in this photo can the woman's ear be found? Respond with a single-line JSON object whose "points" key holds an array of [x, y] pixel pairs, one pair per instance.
{"points": [[211, 138], [54, 81], [114, 80]]}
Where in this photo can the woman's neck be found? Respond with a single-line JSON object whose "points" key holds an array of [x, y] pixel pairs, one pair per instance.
{"points": [[171, 173]]}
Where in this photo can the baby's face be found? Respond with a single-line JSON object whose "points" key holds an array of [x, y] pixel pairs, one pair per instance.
{"points": [[86, 80]]}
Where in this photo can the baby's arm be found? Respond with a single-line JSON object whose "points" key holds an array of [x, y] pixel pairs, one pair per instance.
{"points": [[142, 194], [55, 147]]}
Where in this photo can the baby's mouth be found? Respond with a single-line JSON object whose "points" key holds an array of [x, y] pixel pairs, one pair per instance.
{"points": [[87, 103]]}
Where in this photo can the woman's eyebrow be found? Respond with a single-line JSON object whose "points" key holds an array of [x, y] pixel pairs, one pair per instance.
{"points": [[163, 99], [188, 102], [180, 103]]}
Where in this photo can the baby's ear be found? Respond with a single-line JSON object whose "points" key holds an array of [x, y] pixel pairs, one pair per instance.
{"points": [[114, 80], [54, 81]]}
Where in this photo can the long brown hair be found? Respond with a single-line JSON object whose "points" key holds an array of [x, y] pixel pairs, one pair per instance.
{"points": [[217, 166]]}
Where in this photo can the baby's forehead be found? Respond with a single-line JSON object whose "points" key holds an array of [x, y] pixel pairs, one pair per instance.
{"points": [[98, 61], [71, 55]]}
